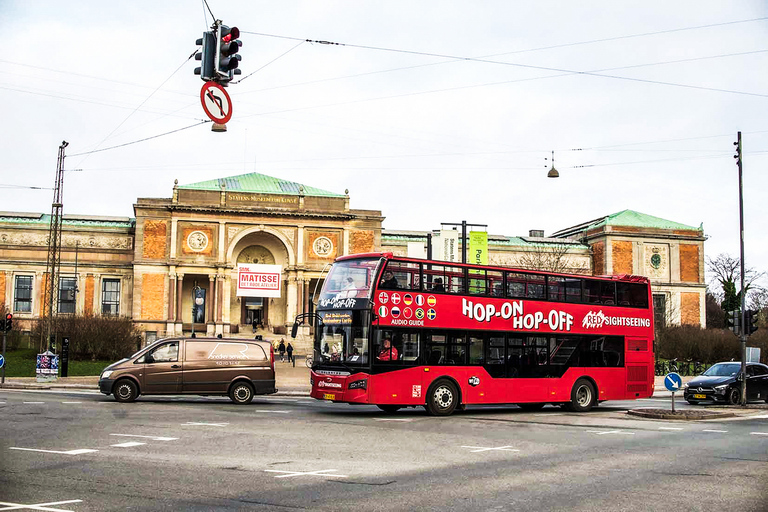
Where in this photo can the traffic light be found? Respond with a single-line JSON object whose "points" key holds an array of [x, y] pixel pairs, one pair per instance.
{"points": [[206, 56], [8, 323], [733, 321], [750, 322], [228, 59], [737, 156]]}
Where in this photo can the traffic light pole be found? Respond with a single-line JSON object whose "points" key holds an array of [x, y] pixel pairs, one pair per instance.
{"points": [[743, 333], [4, 361]]}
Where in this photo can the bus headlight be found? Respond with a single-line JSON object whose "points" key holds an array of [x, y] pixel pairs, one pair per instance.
{"points": [[358, 384]]}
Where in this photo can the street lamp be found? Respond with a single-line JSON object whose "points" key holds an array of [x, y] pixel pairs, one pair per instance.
{"points": [[552, 172]]}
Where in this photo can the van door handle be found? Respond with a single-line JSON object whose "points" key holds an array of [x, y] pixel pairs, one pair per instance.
{"points": [[175, 366]]}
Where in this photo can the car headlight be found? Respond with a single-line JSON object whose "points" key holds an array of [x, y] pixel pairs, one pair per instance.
{"points": [[721, 386], [686, 385], [358, 384], [106, 374]]}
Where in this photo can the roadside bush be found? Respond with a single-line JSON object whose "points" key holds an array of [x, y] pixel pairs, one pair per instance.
{"points": [[93, 338], [691, 343]]}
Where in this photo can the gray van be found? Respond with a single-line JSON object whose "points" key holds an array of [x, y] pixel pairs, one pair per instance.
{"points": [[240, 368]]}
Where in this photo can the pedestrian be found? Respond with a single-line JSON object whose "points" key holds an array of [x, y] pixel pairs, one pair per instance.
{"points": [[289, 349], [255, 323], [281, 349]]}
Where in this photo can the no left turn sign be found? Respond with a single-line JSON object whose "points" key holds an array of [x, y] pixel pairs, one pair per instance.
{"points": [[216, 102]]}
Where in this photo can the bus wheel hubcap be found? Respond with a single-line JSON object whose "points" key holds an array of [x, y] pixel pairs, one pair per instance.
{"points": [[443, 397], [583, 395]]}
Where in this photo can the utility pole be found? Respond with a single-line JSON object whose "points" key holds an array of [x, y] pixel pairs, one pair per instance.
{"points": [[743, 333], [463, 225], [53, 262]]}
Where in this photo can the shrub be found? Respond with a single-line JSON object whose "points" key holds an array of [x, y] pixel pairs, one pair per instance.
{"points": [[95, 337], [691, 343]]}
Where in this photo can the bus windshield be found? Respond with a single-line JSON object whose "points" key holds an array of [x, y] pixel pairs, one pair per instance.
{"points": [[343, 337], [350, 279]]}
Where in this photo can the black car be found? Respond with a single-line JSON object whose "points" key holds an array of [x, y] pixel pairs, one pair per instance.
{"points": [[722, 383]]}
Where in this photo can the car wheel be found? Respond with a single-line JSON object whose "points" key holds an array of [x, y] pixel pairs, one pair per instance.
{"points": [[442, 398], [583, 396], [531, 407], [389, 408], [241, 393], [125, 391], [734, 396]]}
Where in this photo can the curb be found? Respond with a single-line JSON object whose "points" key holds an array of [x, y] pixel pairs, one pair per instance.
{"points": [[680, 415]]}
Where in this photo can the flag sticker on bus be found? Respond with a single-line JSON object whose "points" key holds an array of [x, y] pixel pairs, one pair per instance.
{"points": [[383, 297], [408, 299], [419, 300], [383, 311], [431, 314], [395, 312], [431, 301], [419, 313], [407, 313], [395, 298]]}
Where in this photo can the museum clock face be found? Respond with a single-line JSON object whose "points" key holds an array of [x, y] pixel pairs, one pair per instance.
{"points": [[322, 246], [197, 241], [655, 261]]}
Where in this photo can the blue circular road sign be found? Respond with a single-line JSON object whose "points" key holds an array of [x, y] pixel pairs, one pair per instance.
{"points": [[673, 381], [2, 361]]}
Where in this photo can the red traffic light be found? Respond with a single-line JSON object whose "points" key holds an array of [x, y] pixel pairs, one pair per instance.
{"points": [[234, 33]]}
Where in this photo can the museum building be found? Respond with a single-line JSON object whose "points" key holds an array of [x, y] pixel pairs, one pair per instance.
{"points": [[173, 267]]}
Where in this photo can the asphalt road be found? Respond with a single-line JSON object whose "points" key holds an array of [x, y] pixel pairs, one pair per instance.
{"points": [[79, 451]]}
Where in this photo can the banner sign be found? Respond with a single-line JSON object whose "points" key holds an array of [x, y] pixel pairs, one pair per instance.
{"points": [[478, 247], [416, 250], [449, 245], [259, 280]]}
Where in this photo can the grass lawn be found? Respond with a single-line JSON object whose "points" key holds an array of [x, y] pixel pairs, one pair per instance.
{"points": [[21, 363]]}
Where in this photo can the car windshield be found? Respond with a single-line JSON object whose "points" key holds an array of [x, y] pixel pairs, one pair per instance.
{"points": [[350, 279], [723, 370]]}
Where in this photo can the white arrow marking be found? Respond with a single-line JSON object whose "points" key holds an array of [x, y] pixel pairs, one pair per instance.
{"points": [[154, 438], [322, 472], [70, 452], [38, 506]]}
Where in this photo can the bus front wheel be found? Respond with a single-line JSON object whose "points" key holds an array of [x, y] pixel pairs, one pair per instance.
{"points": [[442, 399], [583, 396]]}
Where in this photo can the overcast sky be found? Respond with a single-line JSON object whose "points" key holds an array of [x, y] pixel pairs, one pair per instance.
{"points": [[428, 111]]}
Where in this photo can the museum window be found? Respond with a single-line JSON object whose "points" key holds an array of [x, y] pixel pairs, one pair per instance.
{"points": [[67, 291], [110, 297], [22, 294]]}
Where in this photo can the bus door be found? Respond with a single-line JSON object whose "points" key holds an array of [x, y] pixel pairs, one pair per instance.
{"points": [[639, 363]]}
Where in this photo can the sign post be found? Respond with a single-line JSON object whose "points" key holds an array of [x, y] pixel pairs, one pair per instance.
{"points": [[673, 382], [64, 357]]}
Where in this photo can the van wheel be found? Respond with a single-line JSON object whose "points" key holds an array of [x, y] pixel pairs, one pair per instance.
{"points": [[125, 391], [241, 393], [442, 398], [583, 396]]}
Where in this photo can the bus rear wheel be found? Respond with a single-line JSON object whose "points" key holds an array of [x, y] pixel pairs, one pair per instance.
{"points": [[583, 396], [442, 399]]}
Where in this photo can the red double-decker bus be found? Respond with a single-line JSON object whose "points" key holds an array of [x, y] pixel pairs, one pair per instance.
{"points": [[401, 332]]}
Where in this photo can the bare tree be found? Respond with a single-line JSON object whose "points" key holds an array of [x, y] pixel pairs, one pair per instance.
{"points": [[726, 271], [554, 257]]}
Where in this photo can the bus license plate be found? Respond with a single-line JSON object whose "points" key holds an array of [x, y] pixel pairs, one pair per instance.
{"points": [[329, 396], [699, 396]]}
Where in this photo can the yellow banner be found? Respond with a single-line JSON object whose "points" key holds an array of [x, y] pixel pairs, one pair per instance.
{"points": [[478, 247]]}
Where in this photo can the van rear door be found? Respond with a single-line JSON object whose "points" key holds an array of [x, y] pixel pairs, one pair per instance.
{"points": [[211, 366]]}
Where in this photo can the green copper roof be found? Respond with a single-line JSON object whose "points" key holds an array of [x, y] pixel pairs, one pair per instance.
{"points": [[640, 220], [256, 183], [67, 220]]}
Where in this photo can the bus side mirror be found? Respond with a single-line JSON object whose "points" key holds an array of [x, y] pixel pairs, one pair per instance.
{"points": [[294, 329]]}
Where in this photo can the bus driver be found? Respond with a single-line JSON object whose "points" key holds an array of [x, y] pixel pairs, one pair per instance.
{"points": [[388, 353]]}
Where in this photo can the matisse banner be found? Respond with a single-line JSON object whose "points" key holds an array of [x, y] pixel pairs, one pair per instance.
{"points": [[255, 280]]}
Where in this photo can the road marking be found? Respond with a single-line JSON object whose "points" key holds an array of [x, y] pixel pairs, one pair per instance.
{"points": [[128, 444], [758, 433], [670, 428], [268, 411], [70, 452], [601, 432], [322, 472], [761, 417], [550, 414], [33, 402], [71, 402], [190, 423], [154, 438], [476, 449], [38, 506], [393, 419], [715, 431]]}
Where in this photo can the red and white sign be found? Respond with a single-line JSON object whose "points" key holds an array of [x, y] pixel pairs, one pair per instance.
{"points": [[216, 102], [259, 280]]}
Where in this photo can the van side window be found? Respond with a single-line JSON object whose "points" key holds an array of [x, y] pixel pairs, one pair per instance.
{"points": [[167, 353]]}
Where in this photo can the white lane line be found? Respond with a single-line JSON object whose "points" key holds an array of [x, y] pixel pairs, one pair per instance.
{"points": [[550, 414], [670, 428], [38, 506], [2, 403], [269, 410], [154, 438], [602, 432], [715, 431], [758, 433], [127, 444], [190, 423], [71, 402], [322, 472], [69, 452], [33, 402], [761, 417], [393, 419], [476, 449]]}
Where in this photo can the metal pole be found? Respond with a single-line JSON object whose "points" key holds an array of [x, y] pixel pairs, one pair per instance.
{"points": [[463, 241], [5, 363], [742, 334], [429, 245]]}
